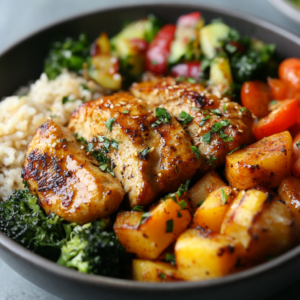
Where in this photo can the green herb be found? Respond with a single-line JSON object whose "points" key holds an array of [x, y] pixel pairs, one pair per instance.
{"points": [[109, 123], [211, 161], [179, 215], [298, 144], [225, 137], [273, 102], [169, 226], [182, 189], [206, 137], [185, 118], [200, 203], [25, 183], [126, 112], [196, 151], [64, 140], [195, 108], [66, 99], [80, 139], [205, 63], [145, 216], [216, 112], [163, 116], [162, 275], [191, 80], [143, 154], [90, 147], [107, 143], [224, 107], [138, 208], [243, 109], [175, 167], [237, 148], [202, 122], [223, 196], [217, 127], [228, 92], [182, 204], [53, 116], [171, 258], [83, 85], [180, 79]]}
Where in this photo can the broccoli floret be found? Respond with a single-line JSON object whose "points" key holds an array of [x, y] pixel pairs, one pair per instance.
{"points": [[95, 250], [23, 220], [67, 54]]}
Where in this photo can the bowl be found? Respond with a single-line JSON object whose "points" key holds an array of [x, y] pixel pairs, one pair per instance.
{"points": [[23, 62], [288, 8]]}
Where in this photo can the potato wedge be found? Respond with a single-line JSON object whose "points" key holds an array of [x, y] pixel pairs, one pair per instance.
{"points": [[148, 234], [262, 223], [264, 163], [289, 191], [154, 271], [208, 183], [211, 213], [202, 255]]}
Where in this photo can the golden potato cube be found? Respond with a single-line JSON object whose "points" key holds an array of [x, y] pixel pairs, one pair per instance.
{"points": [[208, 183], [211, 213], [262, 223], [201, 255], [264, 163], [289, 191], [148, 237], [154, 271]]}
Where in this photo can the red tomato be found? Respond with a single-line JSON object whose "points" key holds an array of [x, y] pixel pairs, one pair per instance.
{"points": [[256, 96], [278, 88], [281, 118], [289, 71], [159, 50], [296, 156], [188, 69], [189, 20]]}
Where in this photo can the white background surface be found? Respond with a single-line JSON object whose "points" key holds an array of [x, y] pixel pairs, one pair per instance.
{"points": [[21, 17]]}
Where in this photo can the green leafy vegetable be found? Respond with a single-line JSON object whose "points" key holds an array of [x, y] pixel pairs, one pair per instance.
{"points": [[66, 99], [216, 112], [191, 80], [182, 204], [200, 203], [223, 196], [143, 154], [109, 123], [169, 226], [138, 208], [163, 116], [196, 151], [185, 118], [202, 122], [211, 161], [237, 148], [171, 258]]}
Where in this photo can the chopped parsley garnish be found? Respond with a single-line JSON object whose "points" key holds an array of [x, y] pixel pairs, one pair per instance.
{"points": [[179, 215], [182, 189], [90, 147], [202, 122], [217, 127], [171, 258], [80, 139], [196, 108], [143, 154], [138, 208], [211, 161], [182, 204], [105, 164], [225, 137], [224, 107], [169, 226], [196, 151], [53, 116], [243, 109], [107, 143], [298, 144], [237, 148], [175, 167], [66, 99], [162, 275], [25, 183], [109, 123], [223, 196], [191, 80], [84, 87], [180, 78], [126, 112], [206, 137], [216, 112], [185, 118], [273, 102], [64, 140], [163, 116], [145, 216], [200, 203]]}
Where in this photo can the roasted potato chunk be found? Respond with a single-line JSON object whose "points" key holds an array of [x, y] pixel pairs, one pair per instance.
{"points": [[211, 213], [289, 191], [262, 223], [201, 255], [264, 163], [148, 234], [208, 183], [154, 271]]}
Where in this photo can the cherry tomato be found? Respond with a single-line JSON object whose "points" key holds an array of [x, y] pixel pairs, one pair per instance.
{"points": [[188, 69], [279, 88], [296, 156], [159, 50], [283, 116], [256, 96], [189, 20], [289, 71]]}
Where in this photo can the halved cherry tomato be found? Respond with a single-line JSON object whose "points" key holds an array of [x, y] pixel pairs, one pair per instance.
{"points": [[289, 71], [281, 118], [187, 69], [159, 50], [296, 156], [189, 20], [256, 96], [278, 88]]}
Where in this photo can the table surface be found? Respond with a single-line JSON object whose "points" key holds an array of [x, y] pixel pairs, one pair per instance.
{"points": [[19, 18]]}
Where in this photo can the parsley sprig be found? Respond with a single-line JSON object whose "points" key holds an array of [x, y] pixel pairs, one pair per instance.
{"points": [[163, 116], [218, 128], [185, 118]]}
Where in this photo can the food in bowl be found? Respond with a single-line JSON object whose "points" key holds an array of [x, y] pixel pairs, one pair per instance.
{"points": [[143, 164]]}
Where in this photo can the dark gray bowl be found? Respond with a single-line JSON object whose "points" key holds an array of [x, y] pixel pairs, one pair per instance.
{"points": [[24, 61]]}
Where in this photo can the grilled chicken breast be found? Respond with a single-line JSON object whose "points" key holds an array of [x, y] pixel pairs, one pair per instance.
{"points": [[151, 159], [209, 114], [66, 180]]}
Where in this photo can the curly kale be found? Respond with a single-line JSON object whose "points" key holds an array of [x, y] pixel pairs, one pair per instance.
{"points": [[95, 250], [23, 220], [68, 54]]}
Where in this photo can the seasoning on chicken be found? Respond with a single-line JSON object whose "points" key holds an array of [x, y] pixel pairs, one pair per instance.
{"points": [[154, 155], [217, 126], [66, 180]]}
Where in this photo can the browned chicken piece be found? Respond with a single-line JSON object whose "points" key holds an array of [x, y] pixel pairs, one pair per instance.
{"points": [[152, 159], [218, 126], [66, 180]]}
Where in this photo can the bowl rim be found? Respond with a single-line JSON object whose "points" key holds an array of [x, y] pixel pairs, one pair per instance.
{"points": [[288, 8], [48, 266]]}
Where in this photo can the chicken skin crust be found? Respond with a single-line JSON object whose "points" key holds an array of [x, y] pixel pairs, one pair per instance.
{"points": [[66, 180], [206, 110], [151, 160]]}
